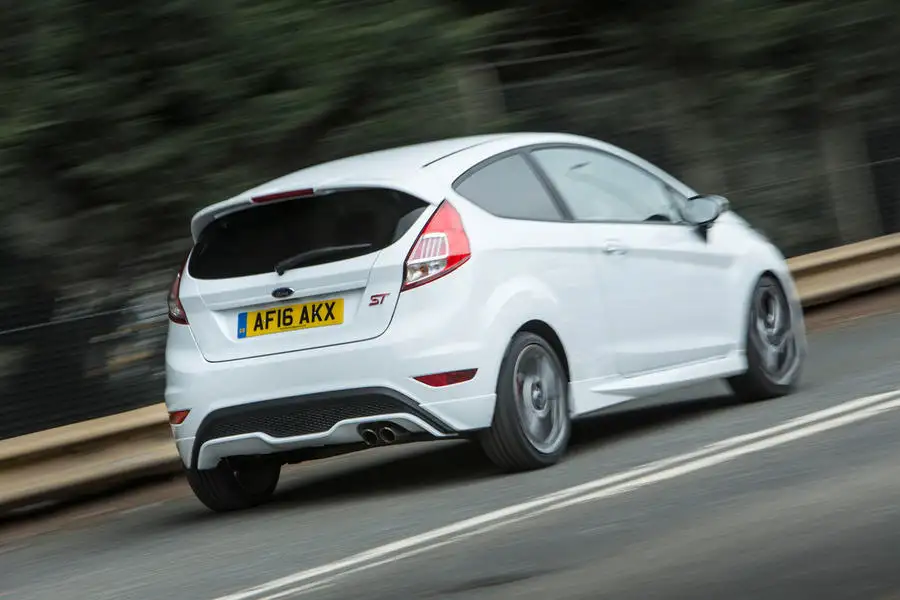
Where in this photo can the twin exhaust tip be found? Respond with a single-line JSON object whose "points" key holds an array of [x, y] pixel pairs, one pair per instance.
{"points": [[383, 435]]}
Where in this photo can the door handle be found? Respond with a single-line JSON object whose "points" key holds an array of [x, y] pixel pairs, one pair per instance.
{"points": [[614, 248]]}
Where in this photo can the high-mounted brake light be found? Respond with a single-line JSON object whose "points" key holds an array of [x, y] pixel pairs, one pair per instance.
{"points": [[282, 196], [176, 310], [441, 248]]}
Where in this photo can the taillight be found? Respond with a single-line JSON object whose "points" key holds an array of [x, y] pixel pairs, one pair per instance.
{"points": [[176, 310], [441, 247], [282, 196]]}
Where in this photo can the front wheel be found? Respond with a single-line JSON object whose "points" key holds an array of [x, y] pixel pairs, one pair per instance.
{"points": [[774, 356], [235, 486], [531, 426]]}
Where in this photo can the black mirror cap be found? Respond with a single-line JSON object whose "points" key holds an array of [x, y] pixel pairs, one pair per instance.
{"points": [[703, 210]]}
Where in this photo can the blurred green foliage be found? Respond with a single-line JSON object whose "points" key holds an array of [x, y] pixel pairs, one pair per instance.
{"points": [[119, 119], [116, 114], [773, 102]]}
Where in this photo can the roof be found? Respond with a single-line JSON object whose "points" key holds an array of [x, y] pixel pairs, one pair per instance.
{"points": [[392, 163], [381, 165], [394, 166]]}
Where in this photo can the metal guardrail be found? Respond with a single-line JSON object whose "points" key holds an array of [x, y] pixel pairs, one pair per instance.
{"points": [[837, 273], [85, 458], [93, 456]]}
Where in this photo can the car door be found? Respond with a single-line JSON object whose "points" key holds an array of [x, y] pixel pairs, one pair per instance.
{"points": [[664, 284]]}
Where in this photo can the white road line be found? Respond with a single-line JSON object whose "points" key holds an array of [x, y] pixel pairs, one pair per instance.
{"points": [[617, 490], [315, 586], [604, 487], [729, 455]]}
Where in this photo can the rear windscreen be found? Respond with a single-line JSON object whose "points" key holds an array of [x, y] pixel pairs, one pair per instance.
{"points": [[253, 240]]}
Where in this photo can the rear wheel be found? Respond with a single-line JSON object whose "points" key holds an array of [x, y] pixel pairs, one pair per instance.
{"points": [[234, 485], [531, 426], [773, 354]]}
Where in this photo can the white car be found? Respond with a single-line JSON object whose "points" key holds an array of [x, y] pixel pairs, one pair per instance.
{"points": [[492, 287]]}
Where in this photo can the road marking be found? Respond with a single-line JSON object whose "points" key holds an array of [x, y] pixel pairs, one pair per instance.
{"points": [[720, 452], [315, 586]]}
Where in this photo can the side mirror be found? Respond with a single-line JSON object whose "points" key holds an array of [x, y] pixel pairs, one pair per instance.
{"points": [[702, 211]]}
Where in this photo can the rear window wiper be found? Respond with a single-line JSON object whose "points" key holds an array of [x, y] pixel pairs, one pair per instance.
{"points": [[297, 260]]}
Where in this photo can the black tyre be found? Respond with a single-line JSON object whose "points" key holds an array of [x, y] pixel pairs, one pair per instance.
{"points": [[229, 487], [531, 425], [774, 357]]}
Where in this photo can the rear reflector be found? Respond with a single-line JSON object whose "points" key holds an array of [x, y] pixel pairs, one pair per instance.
{"points": [[177, 417], [448, 378], [282, 196]]}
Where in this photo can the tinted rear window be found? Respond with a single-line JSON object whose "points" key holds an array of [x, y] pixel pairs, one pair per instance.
{"points": [[509, 188], [253, 240]]}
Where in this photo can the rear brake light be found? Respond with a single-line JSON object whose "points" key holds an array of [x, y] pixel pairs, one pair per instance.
{"points": [[441, 247], [176, 310], [282, 196]]}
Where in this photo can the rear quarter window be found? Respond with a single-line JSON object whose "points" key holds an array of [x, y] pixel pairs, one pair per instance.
{"points": [[509, 188]]}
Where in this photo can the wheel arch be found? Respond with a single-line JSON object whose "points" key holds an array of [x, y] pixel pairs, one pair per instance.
{"points": [[786, 282], [545, 331], [528, 303]]}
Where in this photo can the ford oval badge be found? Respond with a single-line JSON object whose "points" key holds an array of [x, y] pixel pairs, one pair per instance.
{"points": [[282, 292]]}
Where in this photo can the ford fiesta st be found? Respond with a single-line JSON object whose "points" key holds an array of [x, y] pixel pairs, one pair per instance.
{"points": [[492, 288]]}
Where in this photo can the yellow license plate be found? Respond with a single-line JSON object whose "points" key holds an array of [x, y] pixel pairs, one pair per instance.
{"points": [[290, 318]]}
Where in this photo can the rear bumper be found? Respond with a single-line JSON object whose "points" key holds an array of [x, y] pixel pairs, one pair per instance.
{"points": [[296, 400], [286, 424]]}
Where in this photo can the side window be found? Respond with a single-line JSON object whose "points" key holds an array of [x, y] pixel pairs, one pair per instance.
{"points": [[599, 187], [509, 188]]}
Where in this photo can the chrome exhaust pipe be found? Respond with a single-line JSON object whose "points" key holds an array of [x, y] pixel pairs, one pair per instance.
{"points": [[390, 434], [369, 436]]}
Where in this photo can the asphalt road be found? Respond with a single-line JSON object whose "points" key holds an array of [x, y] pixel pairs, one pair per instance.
{"points": [[810, 512]]}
